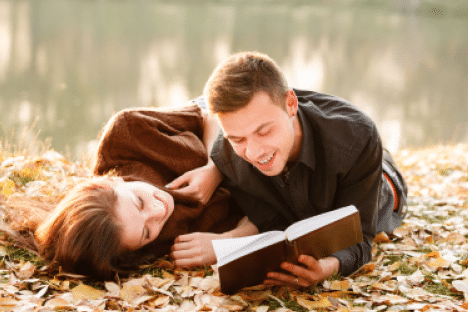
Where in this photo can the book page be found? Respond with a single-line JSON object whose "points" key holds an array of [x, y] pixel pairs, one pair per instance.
{"points": [[229, 249], [308, 225]]}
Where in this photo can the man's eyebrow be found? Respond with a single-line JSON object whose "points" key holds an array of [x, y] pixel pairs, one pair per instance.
{"points": [[259, 128]]}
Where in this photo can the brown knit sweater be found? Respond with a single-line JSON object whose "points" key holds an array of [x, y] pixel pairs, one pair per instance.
{"points": [[157, 146]]}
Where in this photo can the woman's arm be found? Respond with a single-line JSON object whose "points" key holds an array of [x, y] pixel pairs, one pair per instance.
{"points": [[196, 248], [201, 182]]}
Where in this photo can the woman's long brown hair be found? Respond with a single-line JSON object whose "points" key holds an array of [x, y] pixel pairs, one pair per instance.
{"points": [[82, 234]]}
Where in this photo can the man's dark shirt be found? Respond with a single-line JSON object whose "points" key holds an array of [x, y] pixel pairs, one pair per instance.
{"points": [[340, 164]]}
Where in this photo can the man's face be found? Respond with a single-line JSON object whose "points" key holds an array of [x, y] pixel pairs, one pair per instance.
{"points": [[264, 134]]}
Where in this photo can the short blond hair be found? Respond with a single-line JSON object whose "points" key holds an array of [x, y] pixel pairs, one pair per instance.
{"points": [[236, 80]]}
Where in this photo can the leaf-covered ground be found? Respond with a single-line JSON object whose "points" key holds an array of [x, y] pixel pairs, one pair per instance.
{"points": [[423, 266]]}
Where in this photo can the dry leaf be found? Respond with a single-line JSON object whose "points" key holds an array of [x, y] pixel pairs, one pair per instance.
{"points": [[131, 292], [83, 291], [437, 264], [382, 237], [339, 285], [26, 270], [312, 305], [57, 302]]}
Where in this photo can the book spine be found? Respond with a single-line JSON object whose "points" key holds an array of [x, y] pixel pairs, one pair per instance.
{"points": [[291, 251]]}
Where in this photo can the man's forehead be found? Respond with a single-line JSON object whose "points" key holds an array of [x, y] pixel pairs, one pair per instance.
{"points": [[242, 131]]}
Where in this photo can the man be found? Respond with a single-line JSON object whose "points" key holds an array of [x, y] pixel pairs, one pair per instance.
{"points": [[286, 155]]}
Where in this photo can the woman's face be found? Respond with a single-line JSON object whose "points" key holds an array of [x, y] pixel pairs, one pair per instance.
{"points": [[143, 210]]}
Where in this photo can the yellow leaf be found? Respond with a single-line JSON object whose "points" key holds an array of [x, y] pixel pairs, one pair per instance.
{"points": [[167, 275], [437, 263], [434, 254], [340, 285], [368, 267], [382, 237], [8, 187], [381, 286], [8, 302], [57, 302], [394, 266], [429, 240], [311, 305], [132, 292], [83, 291]]}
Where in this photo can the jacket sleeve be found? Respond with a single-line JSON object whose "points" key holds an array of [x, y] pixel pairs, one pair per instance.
{"points": [[360, 186]]}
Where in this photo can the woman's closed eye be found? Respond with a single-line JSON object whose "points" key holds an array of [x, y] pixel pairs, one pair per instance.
{"points": [[141, 207], [147, 233]]}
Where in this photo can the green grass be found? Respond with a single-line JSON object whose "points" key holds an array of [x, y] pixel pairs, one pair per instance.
{"points": [[391, 259], [442, 289], [151, 270], [18, 254], [407, 270]]}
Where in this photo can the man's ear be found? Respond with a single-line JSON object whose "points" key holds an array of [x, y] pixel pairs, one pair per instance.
{"points": [[291, 103]]}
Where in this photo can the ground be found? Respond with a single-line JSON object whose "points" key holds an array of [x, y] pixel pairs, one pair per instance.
{"points": [[423, 266]]}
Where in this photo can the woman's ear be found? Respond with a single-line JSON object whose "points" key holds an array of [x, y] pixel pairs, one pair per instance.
{"points": [[291, 103]]}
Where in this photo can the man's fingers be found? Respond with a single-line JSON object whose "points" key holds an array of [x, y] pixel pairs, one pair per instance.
{"points": [[178, 182], [276, 278], [310, 262]]}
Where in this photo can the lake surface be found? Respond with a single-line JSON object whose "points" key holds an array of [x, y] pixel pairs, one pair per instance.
{"points": [[66, 66]]}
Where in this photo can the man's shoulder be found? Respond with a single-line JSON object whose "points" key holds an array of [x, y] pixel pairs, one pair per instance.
{"points": [[334, 113], [341, 128]]}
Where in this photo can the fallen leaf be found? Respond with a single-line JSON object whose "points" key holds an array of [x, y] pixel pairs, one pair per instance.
{"points": [[312, 305], [83, 291]]}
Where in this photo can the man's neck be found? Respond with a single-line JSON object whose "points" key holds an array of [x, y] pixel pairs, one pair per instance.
{"points": [[297, 145]]}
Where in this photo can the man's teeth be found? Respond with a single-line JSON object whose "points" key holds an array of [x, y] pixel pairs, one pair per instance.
{"points": [[266, 160]]}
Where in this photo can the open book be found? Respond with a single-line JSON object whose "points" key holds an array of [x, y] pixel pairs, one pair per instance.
{"points": [[245, 261]]}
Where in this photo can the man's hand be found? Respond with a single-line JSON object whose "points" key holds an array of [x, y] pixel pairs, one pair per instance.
{"points": [[194, 249], [200, 183], [313, 273]]}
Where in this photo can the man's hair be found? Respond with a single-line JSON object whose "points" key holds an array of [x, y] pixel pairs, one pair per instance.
{"points": [[236, 80]]}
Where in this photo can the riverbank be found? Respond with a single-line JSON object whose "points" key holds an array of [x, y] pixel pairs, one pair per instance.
{"points": [[423, 266]]}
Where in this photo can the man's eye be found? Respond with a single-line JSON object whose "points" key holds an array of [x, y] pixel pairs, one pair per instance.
{"points": [[237, 141], [264, 133], [147, 235]]}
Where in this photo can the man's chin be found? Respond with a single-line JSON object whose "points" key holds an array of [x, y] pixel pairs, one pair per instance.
{"points": [[269, 172]]}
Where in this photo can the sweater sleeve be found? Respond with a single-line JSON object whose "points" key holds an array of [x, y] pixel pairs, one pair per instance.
{"points": [[167, 140]]}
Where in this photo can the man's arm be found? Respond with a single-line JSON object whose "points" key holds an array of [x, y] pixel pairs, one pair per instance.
{"points": [[196, 248], [202, 182], [360, 187]]}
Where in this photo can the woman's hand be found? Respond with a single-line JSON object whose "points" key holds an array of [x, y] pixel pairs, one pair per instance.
{"points": [[194, 249], [313, 273], [199, 183]]}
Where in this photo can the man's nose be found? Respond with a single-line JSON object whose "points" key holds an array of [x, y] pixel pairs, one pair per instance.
{"points": [[252, 150]]}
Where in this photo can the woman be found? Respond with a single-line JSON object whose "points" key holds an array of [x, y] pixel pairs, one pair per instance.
{"points": [[125, 216]]}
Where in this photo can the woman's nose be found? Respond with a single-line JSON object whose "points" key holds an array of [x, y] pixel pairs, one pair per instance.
{"points": [[157, 209]]}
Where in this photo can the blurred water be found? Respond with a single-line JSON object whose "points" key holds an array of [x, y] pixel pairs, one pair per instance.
{"points": [[68, 65]]}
